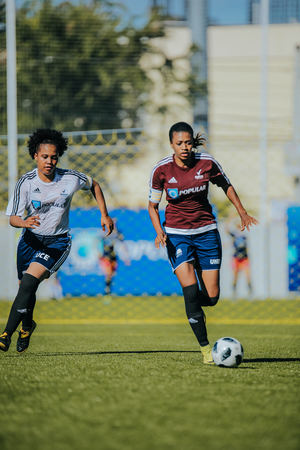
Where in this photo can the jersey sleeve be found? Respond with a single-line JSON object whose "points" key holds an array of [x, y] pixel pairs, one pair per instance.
{"points": [[155, 186], [218, 176], [88, 184], [18, 202], [84, 181]]}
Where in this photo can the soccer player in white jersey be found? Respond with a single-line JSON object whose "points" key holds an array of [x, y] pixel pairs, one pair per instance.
{"points": [[190, 231], [45, 194]]}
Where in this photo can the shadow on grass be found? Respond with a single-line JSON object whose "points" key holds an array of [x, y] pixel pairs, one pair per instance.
{"points": [[121, 352], [270, 360], [144, 352]]}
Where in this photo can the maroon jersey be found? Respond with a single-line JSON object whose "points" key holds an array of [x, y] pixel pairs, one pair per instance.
{"points": [[188, 210]]}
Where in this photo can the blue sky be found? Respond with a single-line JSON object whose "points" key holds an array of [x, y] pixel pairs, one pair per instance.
{"points": [[228, 12], [223, 12]]}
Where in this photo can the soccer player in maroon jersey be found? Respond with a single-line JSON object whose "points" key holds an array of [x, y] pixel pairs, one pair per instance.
{"points": [[190, 231]]}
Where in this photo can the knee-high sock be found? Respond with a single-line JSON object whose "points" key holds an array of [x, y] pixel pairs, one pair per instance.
{"points": [[21, 304], [27, 319], [195, 313], [205, 300]]}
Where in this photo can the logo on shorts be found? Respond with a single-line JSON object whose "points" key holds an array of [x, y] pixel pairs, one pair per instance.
{"points": [[215, 261], [36, 204], [173, 192], [178, 252], [42, 255]]}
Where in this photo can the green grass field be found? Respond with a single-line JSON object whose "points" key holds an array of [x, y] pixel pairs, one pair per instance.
{"points": [[143, 386]]}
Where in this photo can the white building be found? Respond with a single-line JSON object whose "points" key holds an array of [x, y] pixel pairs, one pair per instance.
{"points": [[234, 81]]}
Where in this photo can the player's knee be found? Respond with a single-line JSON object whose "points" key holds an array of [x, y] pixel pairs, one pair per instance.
{"points": [[214, 300], [27, 288]]}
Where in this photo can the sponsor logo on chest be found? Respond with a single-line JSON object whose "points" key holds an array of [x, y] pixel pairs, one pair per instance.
{"points": [[175, 193], [36, 204]]}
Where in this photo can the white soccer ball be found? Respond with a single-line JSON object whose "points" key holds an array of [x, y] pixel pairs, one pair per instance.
{"points": [[227, 352]]}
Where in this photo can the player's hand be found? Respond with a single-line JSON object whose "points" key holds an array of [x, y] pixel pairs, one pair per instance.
{"points": [[107, 224], [32, 222], [160, 239], [247, 221]]}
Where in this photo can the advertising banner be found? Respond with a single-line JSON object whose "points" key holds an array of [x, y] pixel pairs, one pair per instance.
{"points": [[293, 218], [125, 263]]}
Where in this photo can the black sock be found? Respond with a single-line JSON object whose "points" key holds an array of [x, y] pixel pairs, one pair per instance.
{"points": [[195, 313], [27, 319], [21, 304], [204, 299], [107, 287]]}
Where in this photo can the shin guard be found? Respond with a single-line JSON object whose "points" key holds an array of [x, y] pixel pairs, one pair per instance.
{"points": [[195, 313], [21, 305]]}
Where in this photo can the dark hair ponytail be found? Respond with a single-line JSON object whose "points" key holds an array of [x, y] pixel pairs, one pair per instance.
{"points": [[199, 139]]}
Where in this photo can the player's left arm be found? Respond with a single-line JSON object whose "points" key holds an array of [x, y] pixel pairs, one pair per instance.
{"points": [[106, 221], [219, 178], [246, 219]]}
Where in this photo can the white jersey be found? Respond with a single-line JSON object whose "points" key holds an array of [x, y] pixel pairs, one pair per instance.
{"points": [[50, 201]]}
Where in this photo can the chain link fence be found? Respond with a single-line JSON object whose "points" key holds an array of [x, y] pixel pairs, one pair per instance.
{"points": [[143, 288], [114, 89]]}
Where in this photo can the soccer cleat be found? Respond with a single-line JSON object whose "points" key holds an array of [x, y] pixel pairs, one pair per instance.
{"points": [[4, 341], [207, 356], [24, 338]]}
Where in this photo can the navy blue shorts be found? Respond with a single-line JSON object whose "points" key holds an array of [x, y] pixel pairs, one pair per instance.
{"points": [[49, 251], [204, 248]]}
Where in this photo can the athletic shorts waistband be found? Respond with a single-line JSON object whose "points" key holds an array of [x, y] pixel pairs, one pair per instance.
{"points": [[47, 236]]}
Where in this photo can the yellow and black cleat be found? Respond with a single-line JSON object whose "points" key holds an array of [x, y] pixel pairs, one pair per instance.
{"points": [[207, 356], [24, 338], [4, 341]]}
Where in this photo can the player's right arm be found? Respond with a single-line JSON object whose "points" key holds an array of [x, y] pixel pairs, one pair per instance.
{"points": [[18, 203], [155, 219], [29, 222], [155, 194]]}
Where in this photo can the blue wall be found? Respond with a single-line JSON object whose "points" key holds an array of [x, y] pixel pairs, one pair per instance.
{"points": [[293, 218], [142, 269]]}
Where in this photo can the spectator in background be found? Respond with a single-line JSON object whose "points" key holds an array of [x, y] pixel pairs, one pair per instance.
{"points": [[108, 259], [240, 257]]}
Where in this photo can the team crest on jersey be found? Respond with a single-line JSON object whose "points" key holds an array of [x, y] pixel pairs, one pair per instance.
{"points": [[36, 204], [173, 192], [198, 176], [64, 193]]}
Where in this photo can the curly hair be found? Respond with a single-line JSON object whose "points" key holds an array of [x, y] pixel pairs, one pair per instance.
{"points": [[198, 140], [47, 136]]}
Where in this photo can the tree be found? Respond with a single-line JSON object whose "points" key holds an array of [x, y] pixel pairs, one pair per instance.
{"points": [[79, 67]]}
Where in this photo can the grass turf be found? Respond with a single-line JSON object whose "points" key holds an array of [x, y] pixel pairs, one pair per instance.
{"points": [[143, 386]]}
